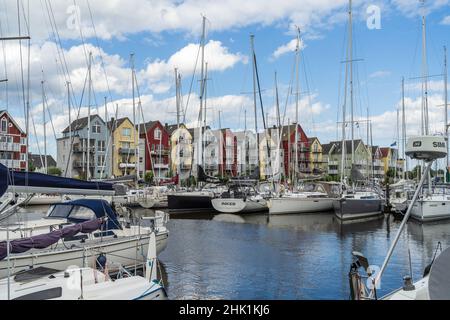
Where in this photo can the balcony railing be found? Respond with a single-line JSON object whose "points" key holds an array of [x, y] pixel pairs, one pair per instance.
{"points": [[80, 149], [158, 152], [127, 151], [8, 146], [13, 164], [161, 166], [127, 165], [80, 164]]}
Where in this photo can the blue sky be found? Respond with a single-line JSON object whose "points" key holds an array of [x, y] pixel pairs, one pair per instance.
{"points": [[162, 29]]}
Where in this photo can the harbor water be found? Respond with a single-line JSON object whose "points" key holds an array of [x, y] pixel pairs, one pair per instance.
{"points": [[289, 257]]}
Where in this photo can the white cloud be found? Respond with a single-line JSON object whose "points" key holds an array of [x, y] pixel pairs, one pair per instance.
{"points": [[159, 74], [446, 21], [286, 48], [380, 74]]}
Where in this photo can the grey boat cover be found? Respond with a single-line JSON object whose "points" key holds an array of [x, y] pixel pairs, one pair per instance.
{"points": [[46, 240]]}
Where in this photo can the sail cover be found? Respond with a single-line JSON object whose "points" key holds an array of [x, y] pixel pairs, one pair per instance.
{"points": [[31, 182], [203, 177], [46, 240]]}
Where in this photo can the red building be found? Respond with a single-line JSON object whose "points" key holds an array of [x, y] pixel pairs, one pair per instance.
{"points": [[229, 163], [289, 149], [157, 148], [13, 149]]}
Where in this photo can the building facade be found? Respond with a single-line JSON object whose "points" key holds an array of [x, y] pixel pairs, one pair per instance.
{"points": [[73, 158], [362, 158], [13, 143], [124, 147], [289, 148], [181, 150], [157, 148], [316, 163], [247, 152]]}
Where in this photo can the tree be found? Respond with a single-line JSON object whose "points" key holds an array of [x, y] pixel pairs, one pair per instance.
{"points": [[148, 178], [53, 171], [31, 167]]}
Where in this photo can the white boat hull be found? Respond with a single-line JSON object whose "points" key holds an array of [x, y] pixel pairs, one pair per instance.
{"points": [[289, 205], [431, 210], [122, 252], [239, 205]]}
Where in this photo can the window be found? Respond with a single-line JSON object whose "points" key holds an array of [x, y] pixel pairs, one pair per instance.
{"points": [[4, 125], [82, 213], [126, 132], [96, 128], [158, 134], [101, 160], [125, 145], [101, 146], [22, 157], [59, 211], [42, 295]]}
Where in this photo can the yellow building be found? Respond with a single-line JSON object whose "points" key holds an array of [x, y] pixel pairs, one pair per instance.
{"points": [[316, 155], [125, 142]]}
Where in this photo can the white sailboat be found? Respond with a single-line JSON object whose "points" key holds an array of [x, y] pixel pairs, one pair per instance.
{"points": [[121, 242], [435, 283], [434, 202], [77, 283]]}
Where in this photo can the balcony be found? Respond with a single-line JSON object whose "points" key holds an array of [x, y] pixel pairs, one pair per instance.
{"points": [[12, 164], [127, 165], [160, 152], [8, 146], [333, 163], [160, 166], [334, 172], [80, 149], [185, 167], [127, 151], [81, 165]]}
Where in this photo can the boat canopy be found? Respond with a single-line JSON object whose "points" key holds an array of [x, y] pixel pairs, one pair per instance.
{"points": [[83, 210], [43, 241], [31, 182]]}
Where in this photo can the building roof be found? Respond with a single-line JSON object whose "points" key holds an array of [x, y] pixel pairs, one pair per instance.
{"points": [[114, 124], [326, 148], [35, 159], [80, 123], [12, 119], [173, 127], [348, 146], [312, 139], [144, 127]]}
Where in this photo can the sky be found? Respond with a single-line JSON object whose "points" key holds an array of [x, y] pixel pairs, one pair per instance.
{"points": [[163, 35]]}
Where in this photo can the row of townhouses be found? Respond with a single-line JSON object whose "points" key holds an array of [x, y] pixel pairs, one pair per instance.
{"points": [[119, 148]]}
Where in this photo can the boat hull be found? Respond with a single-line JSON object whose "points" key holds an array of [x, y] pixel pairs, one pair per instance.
{"points": [[239, 205], [354, 209], [189, 203], [299, 205], [122, 252], [431, 210]]}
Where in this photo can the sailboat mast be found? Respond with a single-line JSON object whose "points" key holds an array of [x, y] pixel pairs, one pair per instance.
{"points": [[202, 91], [405, 167], [252, 44], [446, 108], [297, 95], [70, 123], [88, 176], [350, 31], [45, 164]]}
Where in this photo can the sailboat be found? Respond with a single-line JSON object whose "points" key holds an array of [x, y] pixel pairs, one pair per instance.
{"points": [[243, 196], [200, 199], [44, 283], [434, 202], [354, 203], [118, 238], [435, 283], [300, 201]]}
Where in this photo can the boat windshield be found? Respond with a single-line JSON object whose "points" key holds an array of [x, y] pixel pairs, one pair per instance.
{"points": [[71, 212]]}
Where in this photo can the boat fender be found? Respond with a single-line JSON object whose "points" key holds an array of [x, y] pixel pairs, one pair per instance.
{"points": [[101, 262]]}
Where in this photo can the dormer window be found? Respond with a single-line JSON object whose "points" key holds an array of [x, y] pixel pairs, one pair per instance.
{"points": [[4, 125]]}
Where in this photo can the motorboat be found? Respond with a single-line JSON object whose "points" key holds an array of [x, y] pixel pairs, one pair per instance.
{"points": [[399, 194]]}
